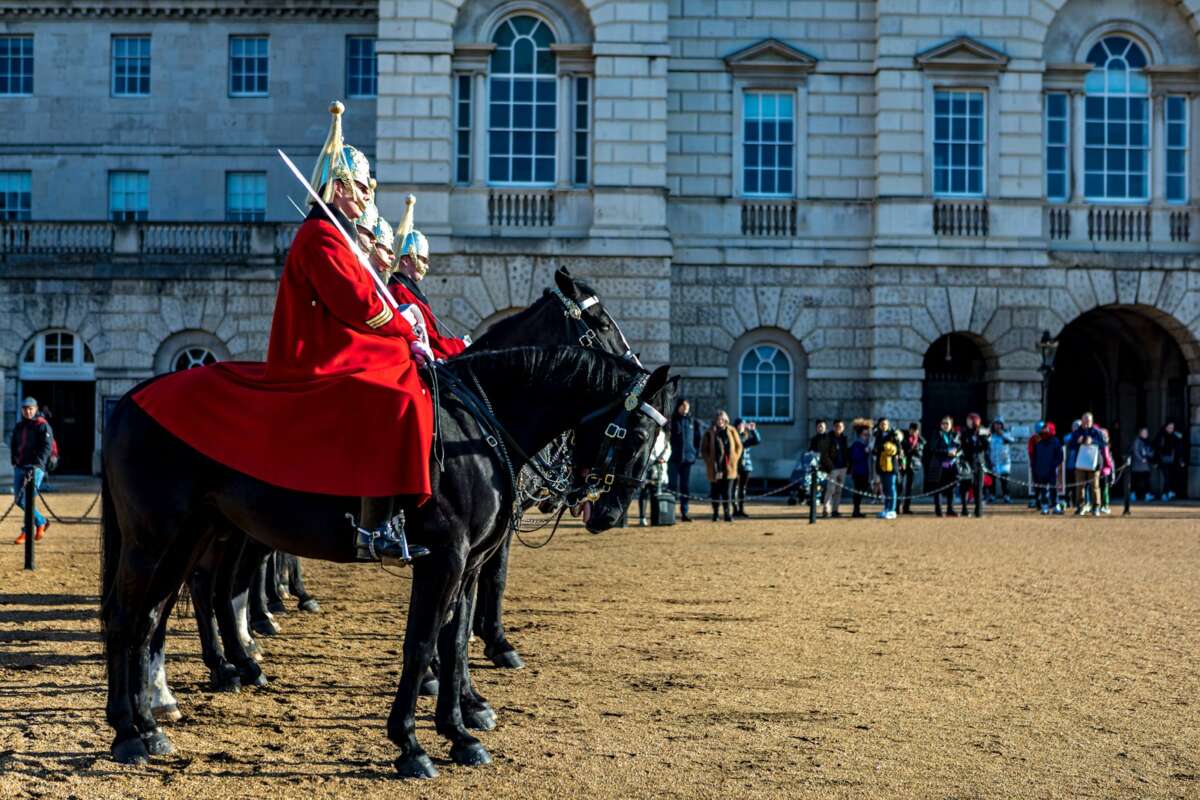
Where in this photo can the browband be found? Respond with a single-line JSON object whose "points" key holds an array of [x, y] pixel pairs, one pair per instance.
{"points": [[652, 412], [587, 303]]}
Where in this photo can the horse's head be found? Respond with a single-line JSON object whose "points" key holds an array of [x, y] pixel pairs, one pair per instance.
{"points": [[594, 325], [613, 444]]}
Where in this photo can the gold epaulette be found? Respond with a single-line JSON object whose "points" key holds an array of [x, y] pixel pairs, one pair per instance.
{"points": [[380, 319]]}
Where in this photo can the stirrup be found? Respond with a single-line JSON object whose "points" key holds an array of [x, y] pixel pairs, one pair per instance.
{"points": [[387, 543]]}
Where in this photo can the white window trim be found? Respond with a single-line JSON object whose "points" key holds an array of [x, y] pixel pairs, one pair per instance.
{"points": [[112, 66], [791, 409], [1068, 145], [799, 97], [39, 370], [346, 66], [1187, 149], [561, 94], [989, 86], [229, 65]]}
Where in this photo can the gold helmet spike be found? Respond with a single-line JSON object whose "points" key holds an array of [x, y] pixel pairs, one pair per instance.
{"points": [[339, 160]]}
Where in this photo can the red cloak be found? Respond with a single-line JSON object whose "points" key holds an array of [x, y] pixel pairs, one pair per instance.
{"points": [[405, 291], [338, 408]]}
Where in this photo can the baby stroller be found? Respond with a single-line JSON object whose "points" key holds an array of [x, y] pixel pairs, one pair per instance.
{"points": [[801, 478]]}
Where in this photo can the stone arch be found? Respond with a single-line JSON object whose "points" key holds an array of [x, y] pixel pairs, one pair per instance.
{"points": [[569, 19], [173, 345], [493, 318], [959, 378], [784, 438], [1156, 22]]}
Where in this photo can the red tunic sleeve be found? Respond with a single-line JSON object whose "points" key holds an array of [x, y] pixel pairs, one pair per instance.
{"points": [[443, 346], [344, 286]]}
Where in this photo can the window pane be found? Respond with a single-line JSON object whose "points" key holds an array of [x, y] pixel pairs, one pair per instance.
{"points": [[768, 131], [15, 196]]}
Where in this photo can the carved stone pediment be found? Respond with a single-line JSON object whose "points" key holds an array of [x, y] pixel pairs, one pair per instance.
{"points": [[963, 54], [770, 58]]}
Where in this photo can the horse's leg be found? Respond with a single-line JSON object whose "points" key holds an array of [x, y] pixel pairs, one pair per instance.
{"points": [[261, 621], [223, 676], [488, 622], [476, 713], [465, 749], [271, 585], [435, 580], [163, 704], [296, 585], [223, 592]]}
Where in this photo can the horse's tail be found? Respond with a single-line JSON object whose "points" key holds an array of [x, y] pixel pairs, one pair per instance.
{"points": [[110, 542]]}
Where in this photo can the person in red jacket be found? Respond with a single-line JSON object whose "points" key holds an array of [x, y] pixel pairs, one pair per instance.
{"points": [[338, 350], [411, 266]]}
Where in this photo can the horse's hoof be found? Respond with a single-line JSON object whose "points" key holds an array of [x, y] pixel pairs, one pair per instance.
{"points": [[480, 719], [131, 751], [470, 755], [167, 713], [310, 605], [265, 627], [418, 766], [507, 660], [429, 687], [251, 675], [225, 679], [157, 743], [276, 607]]}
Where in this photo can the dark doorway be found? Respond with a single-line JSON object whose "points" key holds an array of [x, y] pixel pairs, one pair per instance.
{"points": [[954, 381], [1125, 368], [72, 406]]}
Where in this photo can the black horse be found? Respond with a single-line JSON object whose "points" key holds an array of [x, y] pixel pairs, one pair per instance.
{"points": [[228, 582], [157, 522]]}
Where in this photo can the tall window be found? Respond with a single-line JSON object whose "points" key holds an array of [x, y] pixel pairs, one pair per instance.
{"points": [[462, 129], [248, 66], [522, 103], [16, 65], [958, 142], [1177, 149], [245, 196], [361, 71], [15, 196], [1057, 146], [582, 128], [1117, 122], [765, 384], [768, 144], [130, 66], [128, 196]]}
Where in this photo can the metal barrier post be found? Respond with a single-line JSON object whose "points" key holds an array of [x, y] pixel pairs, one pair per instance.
{"points": [[1128, 486], [812, 495], [30, 499]]}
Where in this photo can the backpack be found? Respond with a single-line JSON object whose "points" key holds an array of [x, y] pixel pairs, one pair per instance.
{"points": [[52, 464]]}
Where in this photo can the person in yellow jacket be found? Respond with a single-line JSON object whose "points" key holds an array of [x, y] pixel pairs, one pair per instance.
{"points": [[889, 463], [721, 449]]}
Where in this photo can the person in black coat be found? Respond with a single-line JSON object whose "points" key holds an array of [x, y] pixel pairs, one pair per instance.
{"points": [[1171, 453], [972, 463], [943, 470], [913, 447], [685, 449], [31, 446]]}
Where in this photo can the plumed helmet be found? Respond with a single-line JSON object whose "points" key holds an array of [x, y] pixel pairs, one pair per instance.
{"points": [[383, 233], [414, 244], [339, 161]]}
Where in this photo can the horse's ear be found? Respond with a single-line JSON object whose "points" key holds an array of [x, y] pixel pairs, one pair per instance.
{"points": [[656, 381], [565, 283]]}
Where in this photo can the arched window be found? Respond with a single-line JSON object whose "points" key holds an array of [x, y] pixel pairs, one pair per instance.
{"points": [[765, 384], [522, 103], [193, 357], [57, 355], [1117, 116]]}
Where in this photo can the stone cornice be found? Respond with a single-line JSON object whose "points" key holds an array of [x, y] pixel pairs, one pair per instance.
{"points": [[190, 9]]}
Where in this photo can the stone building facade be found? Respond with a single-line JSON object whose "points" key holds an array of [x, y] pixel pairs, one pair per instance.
{"points": [[810, 208]]}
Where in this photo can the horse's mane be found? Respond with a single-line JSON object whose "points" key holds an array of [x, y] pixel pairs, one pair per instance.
{"points": [[567, 363]]}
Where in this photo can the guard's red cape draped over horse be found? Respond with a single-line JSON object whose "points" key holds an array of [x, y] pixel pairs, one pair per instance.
{"points": [[338, 408]]}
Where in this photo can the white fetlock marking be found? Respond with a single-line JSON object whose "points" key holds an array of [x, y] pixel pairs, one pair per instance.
{"points": [[160, 690]]}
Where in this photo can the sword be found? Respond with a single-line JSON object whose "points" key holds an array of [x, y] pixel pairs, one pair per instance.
{"points": [[380, 289], [296, 206]]}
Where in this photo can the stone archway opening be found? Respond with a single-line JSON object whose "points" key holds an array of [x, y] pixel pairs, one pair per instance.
{"points": [[1126, 368], [956, 380]]}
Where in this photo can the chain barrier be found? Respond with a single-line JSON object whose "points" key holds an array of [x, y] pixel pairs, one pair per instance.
{"points": [[82, 519]]}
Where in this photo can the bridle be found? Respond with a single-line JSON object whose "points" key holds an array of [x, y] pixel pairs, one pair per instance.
{"points": [[602, 476], [581, 331]]}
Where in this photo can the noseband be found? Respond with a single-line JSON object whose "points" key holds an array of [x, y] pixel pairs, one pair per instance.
{"points": [[583, 333]]}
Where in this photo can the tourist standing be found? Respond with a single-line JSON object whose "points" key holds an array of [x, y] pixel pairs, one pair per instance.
{"points": [[840, 457], [30, 448], [1000, 459], [888, 455], [943, 469], [685, 449], [1071, 445], [860, 466], [656, 474], [1171, 452], [1141, 462], [914, 457], [1046, 460], [721, 450], [748, 433], [972, 461]]}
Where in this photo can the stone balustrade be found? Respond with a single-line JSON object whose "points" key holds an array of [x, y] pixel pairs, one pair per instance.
{"points": [[1141, 227], [213, 239]]}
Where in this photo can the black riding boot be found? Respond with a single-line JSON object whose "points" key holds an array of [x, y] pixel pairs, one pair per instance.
{"points": [[380, 532]]}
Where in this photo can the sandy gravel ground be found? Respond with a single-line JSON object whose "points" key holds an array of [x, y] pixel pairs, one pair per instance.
{"points": [[1014, 657]]}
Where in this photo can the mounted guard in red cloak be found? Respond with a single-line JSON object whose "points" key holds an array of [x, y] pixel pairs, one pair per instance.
{"points": [[338, 408]]}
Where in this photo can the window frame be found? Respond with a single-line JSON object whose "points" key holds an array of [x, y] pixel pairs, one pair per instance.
{"points": [[535, 77], [1066, 144], [742, 144], [113, 58], [463, 109], [8, 60], [244, 37], [581, 157], [243, 214], [740, 395], [19, 214], [373, 60], [1185, 175], [145, 213], [985, 131], [208, 358], [1148, 149]]}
